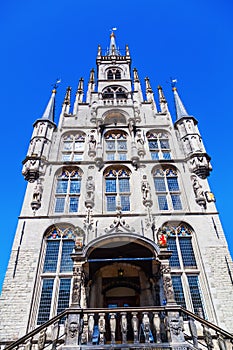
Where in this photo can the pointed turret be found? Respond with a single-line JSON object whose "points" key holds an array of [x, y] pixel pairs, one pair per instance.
{"points": [[66, 102], [137, 87], [50, 109], [180, 108], [113, 51], [162, 100], [150, 94], [91, 85], [79, 95], [34, 165], [194, 150]]}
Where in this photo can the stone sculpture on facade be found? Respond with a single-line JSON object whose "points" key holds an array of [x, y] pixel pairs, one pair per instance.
{"points": [[36, 196], [199, 193]]}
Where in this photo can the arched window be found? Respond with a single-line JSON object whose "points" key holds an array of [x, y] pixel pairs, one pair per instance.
{"points": [[117, 189], [118, 74], [67, 192], [56, 273], [73, 147], [116, 145], [110, 75], [184, 270], [113, 74], [114, 92], [159, 145], [167, 189]]}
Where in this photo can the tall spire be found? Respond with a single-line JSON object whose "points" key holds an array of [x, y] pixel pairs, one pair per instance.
{"points": [[180, 108], [50, 109], [113, 51]]}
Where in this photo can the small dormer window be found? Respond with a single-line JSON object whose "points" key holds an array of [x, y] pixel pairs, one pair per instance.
{"points": [[114, 74]]}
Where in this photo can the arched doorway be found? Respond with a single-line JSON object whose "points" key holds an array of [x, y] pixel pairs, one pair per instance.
{"points": [[123, 271]]}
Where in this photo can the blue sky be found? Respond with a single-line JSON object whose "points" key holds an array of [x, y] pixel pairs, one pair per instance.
{"points": [[42, 40]]}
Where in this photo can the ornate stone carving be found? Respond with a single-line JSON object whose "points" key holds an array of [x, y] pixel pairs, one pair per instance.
{"points": [[90, 192], [92, 146], [140, 144], [42, 339], [36, 196], [146, 192], [119, 225], [176, 326], [72, 329], [199, 193], [78, 282]]}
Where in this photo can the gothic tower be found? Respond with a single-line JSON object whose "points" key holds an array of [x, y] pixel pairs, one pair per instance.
{"points": [[118, 226]]}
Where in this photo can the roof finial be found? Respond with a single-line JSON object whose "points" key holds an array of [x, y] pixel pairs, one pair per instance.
{"points": [[55, 85], [148, 86]]}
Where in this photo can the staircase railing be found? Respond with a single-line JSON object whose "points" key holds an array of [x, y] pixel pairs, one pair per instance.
{"points": [[139, 327]]}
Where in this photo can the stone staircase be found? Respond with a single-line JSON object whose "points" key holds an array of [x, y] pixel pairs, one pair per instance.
{"points": [[161, 328]]}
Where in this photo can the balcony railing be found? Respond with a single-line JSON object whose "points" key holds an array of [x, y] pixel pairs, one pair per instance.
{"points": [[134, 328]]}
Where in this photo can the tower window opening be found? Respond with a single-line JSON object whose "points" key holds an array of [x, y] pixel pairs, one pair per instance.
{"points": [[113, 74]]}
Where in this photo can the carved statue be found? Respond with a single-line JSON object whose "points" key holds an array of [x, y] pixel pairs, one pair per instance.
{"points": [[77, 284], [90, 187], [92, 143], [168, 288], [37, 193], [199, 193], [146, 190]]}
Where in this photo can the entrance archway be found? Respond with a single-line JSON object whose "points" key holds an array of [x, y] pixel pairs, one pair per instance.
{"points": [[123, 272]]}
